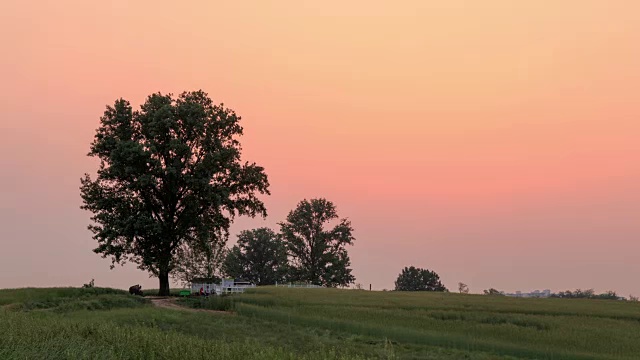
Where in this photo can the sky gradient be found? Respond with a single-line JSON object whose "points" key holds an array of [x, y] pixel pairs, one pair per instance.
{"points": [[495, 142]]}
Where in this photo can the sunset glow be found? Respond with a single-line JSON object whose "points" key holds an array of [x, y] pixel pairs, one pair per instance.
{"points": [[493, 141]]}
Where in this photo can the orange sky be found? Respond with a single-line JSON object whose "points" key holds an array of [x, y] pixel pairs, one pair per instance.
{"points": [[493, 141]]}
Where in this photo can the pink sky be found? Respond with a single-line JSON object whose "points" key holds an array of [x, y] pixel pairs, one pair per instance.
{"points": [[494, 141]]}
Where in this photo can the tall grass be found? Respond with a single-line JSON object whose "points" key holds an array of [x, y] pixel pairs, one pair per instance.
{"points": [[26, 337], [216, 303], [68, 299], [282, 323], [10, 296], [541, 329]]}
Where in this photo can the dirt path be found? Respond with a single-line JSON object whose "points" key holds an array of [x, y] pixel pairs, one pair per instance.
{"points": [[170, 303]]}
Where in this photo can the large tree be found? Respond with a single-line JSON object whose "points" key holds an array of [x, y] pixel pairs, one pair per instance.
{"points": [[259, 256], [170, 176], [417, 279], [317, 251]]}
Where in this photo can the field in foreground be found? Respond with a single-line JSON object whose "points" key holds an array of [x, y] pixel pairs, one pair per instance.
{"points": [[270, 323]]}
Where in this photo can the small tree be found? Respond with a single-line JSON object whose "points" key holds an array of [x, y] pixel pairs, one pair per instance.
{"points": [[463, 288], [91, 284], [417, 279], [492, 291], [260, 256], [317, 252]]}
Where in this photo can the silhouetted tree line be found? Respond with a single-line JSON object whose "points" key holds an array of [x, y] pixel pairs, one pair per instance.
{"points": [[171, 180], [305, 250], [576, 294], [586, 294]]}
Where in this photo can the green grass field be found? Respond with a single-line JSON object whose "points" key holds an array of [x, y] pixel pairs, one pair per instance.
{"points": [[270, 323]]}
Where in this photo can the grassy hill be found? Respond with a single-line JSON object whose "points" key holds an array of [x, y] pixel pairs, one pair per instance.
{"points": [[270, 323]]}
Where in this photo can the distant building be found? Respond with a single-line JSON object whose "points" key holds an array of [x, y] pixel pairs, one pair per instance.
{"points": [[534, 294]]}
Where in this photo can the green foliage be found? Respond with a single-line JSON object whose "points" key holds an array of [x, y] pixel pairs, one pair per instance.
{"points": [[170, 175], [318, 254], [260, 256], [418, 279]]}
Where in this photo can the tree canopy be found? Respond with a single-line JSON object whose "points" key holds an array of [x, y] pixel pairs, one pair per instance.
{"points": [[199, 261], [260, 256], [418, 279], [170, 175], [317, 251]]}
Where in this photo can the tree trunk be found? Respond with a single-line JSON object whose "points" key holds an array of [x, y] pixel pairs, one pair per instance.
{"points": [[164, 283]]}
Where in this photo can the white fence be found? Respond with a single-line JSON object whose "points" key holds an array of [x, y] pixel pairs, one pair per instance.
{"points": [[219, 289], [235, 289], [231, 288]]}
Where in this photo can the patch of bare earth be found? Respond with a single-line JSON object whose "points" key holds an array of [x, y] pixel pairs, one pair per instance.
{"points": [[170, 303]]}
